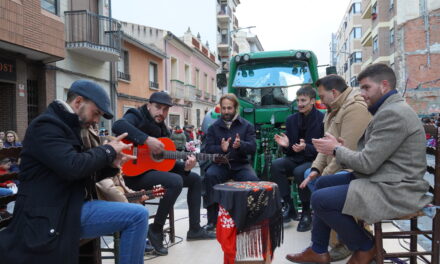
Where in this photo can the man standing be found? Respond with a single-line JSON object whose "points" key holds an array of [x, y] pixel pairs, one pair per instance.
{"points": [[297, 144], [347, 117], [385, 182], [55, 206], [234, 135], [144, 125]]}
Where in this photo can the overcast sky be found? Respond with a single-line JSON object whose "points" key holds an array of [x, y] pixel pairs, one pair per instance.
{"points": [[279, 24]]}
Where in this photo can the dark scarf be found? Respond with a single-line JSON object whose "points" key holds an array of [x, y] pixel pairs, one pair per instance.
{"points": [[373, 109], [152, 128]]}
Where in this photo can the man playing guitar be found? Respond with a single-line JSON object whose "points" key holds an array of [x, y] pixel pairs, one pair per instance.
{"points": [[144, 125]]}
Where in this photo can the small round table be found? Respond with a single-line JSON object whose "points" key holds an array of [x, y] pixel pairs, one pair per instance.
{"points": [[250, 223]]}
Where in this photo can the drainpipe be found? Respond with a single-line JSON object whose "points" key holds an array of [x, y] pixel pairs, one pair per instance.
{"points": [[112, 76]]}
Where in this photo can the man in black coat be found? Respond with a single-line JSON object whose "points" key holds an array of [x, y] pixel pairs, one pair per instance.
{"points": [[54, 206], [234, 135], [144, 125], [297, 144]]}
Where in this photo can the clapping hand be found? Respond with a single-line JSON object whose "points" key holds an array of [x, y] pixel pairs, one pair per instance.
{"points": [[299, 147], [225, 144], [236, 143], [282, 140]]}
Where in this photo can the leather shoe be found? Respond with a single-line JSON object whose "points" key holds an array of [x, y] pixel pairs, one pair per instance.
{"points": [[305, 224], [309, 256], [363, 257], [210, 227], [339, 252], [200, 234], [156, 240]]}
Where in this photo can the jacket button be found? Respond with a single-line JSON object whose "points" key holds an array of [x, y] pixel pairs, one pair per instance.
{"points": [[108, 151], [52, 232]]}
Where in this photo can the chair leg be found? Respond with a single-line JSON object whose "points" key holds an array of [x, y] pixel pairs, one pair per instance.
{"points": [[116, 240], [172, 229], [413, 240], [378, 242], [435, 258]]}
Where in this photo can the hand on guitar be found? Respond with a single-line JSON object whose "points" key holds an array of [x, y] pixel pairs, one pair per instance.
{"points": [[225, 144], [143, 198], [118, 146], [190, 162], [155, 145], [236, 143]]}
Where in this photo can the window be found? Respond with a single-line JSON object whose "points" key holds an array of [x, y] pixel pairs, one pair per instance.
{"points": [[123, 66], [391, 4], [392, 36], [174, 120], [354, 82], [153, 76], [375, 44], [356, 33], [187, 74], [125, 108], [345, 67], [50, 5], [32, 99], [355, 8], [356, 57], [198, 117], [374, 8], [197, 78], [206, 82]]}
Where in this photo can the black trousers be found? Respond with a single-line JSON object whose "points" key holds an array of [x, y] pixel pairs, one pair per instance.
{"points": [[216, 174], [173, 182], [286, 167]]}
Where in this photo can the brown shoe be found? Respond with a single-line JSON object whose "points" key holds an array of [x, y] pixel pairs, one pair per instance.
{"points": [[309, 256], [363, 257]]}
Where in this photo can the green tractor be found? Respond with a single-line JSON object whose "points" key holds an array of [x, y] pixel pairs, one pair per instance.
{"points": [[266, 84]]}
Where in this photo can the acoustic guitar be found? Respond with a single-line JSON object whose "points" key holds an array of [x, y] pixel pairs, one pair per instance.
{"points": [[157, 192], [165, 161]]}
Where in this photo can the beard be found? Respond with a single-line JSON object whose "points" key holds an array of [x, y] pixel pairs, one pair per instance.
{"points": [[228, 117], [83, 118]]}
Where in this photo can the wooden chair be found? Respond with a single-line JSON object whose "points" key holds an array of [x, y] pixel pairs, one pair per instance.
{"points": [[12, 153], [433, 234]]}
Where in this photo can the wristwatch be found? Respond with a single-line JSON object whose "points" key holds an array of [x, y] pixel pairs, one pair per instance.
{"points": [[334, 150]]}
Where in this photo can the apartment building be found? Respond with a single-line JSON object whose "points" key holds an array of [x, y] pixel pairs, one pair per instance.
{"points": [[227, 24], [31, 37]]}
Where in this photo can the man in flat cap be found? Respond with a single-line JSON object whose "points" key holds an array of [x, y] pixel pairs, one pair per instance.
{"points": [[144, 125], [55, 204]]}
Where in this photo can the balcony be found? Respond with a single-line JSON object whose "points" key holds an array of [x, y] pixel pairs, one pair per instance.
{"points": [[177, 89], [207, 96], [190, 92], [154, 85], [224, 15], [214, 98], [367, 39], [198, 93], [93, 35], [123, 76]]}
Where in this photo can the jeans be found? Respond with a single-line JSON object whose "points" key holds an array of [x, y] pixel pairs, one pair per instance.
{"points": [[311, 183], [100, 218], [216, 174], [328, 201], [5, 191]]}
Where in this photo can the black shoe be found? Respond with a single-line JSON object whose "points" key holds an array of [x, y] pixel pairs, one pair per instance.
{"points": [[305, 224], [210, 227], [201, 234], [156, 240], [149, 249]]}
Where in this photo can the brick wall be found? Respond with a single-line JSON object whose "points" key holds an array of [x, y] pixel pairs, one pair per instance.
{"points": [[26, 24]]}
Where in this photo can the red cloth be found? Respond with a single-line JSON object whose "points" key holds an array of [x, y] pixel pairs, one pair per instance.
{"points": [[226, 235]]}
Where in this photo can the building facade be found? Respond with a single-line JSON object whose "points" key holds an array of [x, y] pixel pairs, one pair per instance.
{"points": [[140, 73], [227, 24], [247, 42], [405, 34], [31, 37], [346, 49]]}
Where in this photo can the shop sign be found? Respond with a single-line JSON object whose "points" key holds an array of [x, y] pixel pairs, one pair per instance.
{"points": [[8, 70]]}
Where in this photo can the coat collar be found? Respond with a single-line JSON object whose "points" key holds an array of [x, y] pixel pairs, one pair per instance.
{"points": [[239, 119], [375, 107], [339, 101]]}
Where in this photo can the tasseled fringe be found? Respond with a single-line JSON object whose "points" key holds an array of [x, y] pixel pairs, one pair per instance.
{"points": [[276, 228], [250, 244]]}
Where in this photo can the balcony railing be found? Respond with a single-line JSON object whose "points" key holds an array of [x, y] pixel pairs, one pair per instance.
{"points": [[190, 92], [154, 85], [93, 35], [198, 93], [177, 89], [123, 76], [207, 96]]}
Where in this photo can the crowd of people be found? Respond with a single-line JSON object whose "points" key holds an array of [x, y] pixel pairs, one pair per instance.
{"points": [[349, 163]]}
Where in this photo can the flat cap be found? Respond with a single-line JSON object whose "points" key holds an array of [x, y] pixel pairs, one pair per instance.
{"points": [[161, 98], [95, 93]]}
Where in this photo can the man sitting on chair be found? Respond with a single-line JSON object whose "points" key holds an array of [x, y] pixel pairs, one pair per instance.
{"points": [[387, 179], [234, 135]]}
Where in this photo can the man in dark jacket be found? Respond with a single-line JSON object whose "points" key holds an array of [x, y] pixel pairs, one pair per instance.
{"points": [[54, 207], [297, 144], [234, 135], [144, 125]]}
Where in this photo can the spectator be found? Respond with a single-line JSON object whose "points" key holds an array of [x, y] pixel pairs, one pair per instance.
{"points": [[1, 144], [2, 135], [189, 132], [179, 138], [5, 190], [12, 140]]}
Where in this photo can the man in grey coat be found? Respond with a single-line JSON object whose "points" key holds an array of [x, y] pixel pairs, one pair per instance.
{"points": [[387, 181]]}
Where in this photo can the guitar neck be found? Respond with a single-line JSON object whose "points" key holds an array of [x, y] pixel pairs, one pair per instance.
{"points": [[183, 155], [137, 195]]}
